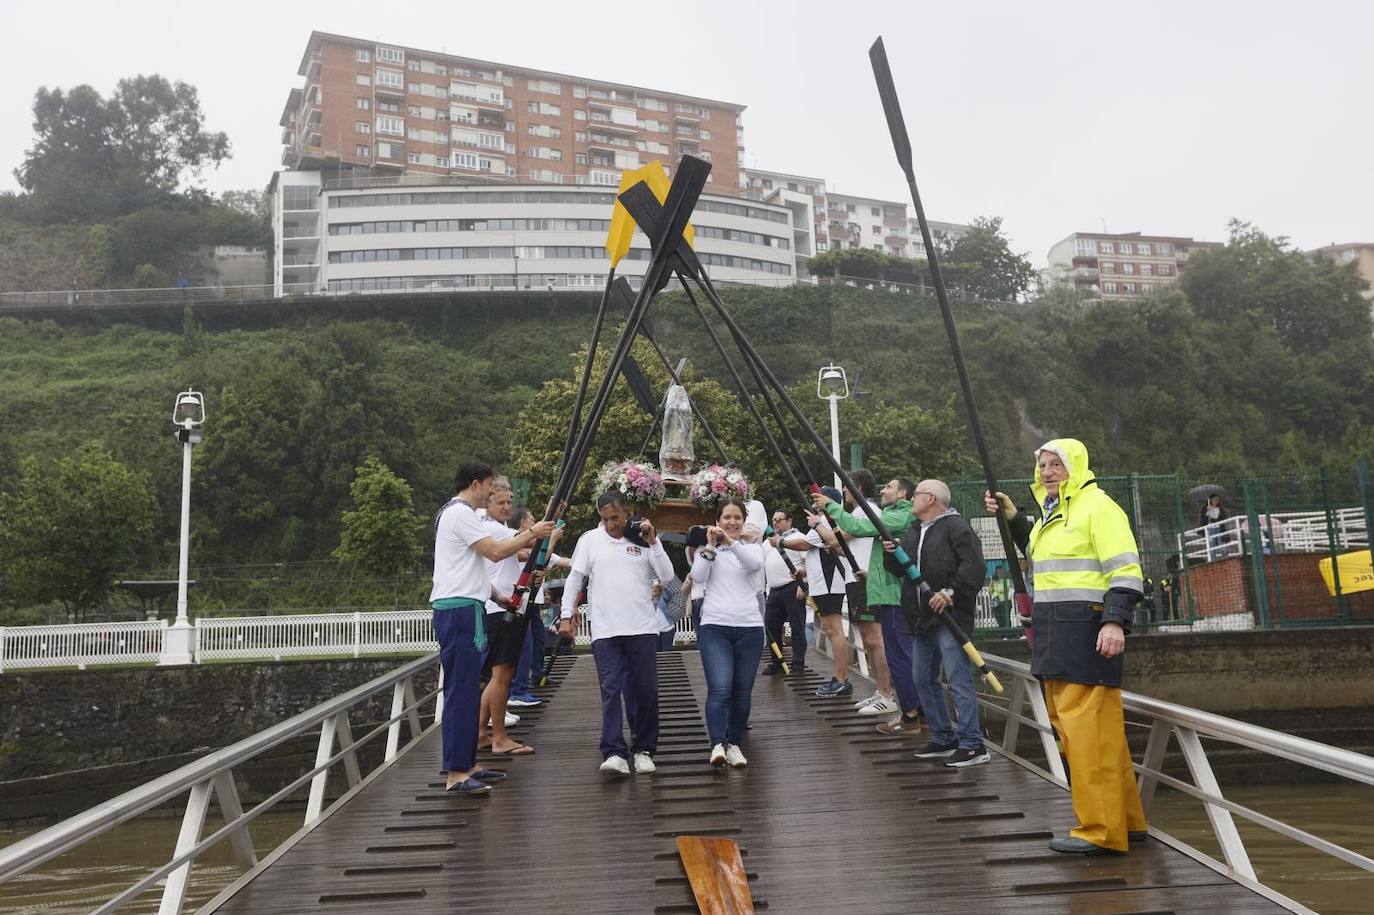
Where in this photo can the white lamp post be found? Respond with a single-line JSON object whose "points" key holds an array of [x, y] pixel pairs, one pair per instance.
{"points": [[833, 385], [188, 415]]}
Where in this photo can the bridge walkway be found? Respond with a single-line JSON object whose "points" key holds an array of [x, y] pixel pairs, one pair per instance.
{"points": [[830, 816]]}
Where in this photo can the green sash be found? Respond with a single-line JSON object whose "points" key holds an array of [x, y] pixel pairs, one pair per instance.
{"points": [[479, 630]]}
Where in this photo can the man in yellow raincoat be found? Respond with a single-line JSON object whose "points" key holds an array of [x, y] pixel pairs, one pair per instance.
{"points": [[1087, 582]]}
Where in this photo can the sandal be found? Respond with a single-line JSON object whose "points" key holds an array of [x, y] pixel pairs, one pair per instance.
{"points": [[520, 749], [468, 785]]}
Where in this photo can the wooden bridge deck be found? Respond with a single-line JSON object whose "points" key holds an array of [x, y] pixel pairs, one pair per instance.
{"points": [[831, 817]]}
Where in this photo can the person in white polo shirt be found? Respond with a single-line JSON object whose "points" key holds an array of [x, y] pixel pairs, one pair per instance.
{"points": [[462, 547], [622, 565]]}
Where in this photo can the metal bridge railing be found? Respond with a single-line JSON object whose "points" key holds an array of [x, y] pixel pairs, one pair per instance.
{"points": [[1169, 722], [212, 777]]}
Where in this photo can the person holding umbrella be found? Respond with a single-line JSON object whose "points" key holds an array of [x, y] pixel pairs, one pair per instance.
{"points": [[1087, 582]]}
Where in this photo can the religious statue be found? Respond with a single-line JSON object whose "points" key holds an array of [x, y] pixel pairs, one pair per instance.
{"points": [[675, 455]]}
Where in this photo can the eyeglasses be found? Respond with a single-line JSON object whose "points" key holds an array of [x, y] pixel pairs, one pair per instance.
{"points": [[920, 492], [777, 518]]}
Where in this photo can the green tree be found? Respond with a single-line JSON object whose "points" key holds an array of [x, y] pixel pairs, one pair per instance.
{"points": [[382, 534], [69, 527], [981, 262], [147, 276], [94, 157]]}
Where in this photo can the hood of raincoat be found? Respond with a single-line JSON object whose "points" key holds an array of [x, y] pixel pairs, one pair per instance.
{"points": [[1074, 454]]}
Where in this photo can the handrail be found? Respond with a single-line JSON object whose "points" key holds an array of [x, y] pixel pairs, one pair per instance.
{"points": [[32, 851], [1169, 721]]}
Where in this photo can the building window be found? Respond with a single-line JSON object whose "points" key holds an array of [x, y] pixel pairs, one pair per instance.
{"points": [[545, 108], [386, 150], [391, 55], [393, 107], [1127, 269], [1106, 247], [1129, 288], [393, 126], [364, 56], [413, 65], [362, 79], [1109, 266], [394, 79], [1084, 247], [1146, 270], [877, 230], [364, 104], [1125, 248], [580, 158], [1163, 249], [360, 150], [415, 159], [1142, 249], [1109, 288], [545, 85], [579, 115], [874, 211], [362, 127], [1164, 270]]}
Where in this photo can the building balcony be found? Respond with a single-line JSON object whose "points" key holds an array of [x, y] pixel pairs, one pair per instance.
{"points": [[299, 261], [896, 241], [895, 222], [1085, 273]]}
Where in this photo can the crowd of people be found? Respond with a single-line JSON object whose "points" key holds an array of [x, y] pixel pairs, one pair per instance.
{"points": [[752, 574]]}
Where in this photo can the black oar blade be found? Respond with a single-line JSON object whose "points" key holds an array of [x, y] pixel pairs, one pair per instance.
{"points": [[891, 107], [638, 384]]}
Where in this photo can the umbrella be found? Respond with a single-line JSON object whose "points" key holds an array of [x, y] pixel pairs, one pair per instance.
{"points": [[1206, 491]]}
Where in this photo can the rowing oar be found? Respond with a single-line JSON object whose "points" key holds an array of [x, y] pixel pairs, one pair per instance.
{"points": [[716, 873], [681, 199], [896, 125]]}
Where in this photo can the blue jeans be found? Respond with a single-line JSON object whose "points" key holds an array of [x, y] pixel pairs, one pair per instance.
{"points": [[898, 646], [730, 658], [628, 670], [462, 664], [530, 655], [936, 646]]}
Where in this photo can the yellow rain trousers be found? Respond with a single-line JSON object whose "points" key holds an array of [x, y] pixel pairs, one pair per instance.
{"points": [[1092, 730]]}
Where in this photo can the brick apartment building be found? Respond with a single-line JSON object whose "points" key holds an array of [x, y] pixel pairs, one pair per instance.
{"points": [[1361, 254], [1122, 265], [369, 109]]}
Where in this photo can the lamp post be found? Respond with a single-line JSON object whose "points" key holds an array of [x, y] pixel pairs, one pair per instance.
{"points": [[178, 645], [833, 385]]}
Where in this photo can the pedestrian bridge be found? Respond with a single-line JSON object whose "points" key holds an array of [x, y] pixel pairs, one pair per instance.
{"points": [[830, 815]]}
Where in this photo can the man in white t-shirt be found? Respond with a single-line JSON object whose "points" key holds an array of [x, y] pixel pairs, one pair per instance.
{"points": [[826, 577], [622, 566], [462, 546], [503, 648]]}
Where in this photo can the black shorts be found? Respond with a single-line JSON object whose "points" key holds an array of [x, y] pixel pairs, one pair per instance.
{"points": [[505, 641], [857, 592], [828, 604]]}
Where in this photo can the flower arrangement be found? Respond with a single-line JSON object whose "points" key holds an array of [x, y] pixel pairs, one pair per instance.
{"points": [[714, 483], [640, 481]]}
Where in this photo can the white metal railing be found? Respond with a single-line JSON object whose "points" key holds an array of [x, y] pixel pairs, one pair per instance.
{"points": [[242, 638], [1186, 726], [212, 777], [686, 634], [349, 634], [1281, 532], [80, 644]]}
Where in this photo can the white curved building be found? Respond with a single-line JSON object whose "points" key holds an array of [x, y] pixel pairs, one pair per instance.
{"points": [[413, 233]]}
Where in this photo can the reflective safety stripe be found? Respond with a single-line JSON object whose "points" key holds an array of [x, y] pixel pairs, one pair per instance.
{"points": [[1116, 562], [1132, 582], [1067, 565], [1091, 595]]}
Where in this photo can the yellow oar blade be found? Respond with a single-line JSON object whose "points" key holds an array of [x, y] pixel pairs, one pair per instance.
{"points": [[622, 224]]}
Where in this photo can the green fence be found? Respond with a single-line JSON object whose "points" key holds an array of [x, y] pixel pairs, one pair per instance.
{"points": [[1215, 574]]}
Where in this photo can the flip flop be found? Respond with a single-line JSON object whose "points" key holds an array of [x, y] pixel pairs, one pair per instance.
{"points": [[520, 749]]}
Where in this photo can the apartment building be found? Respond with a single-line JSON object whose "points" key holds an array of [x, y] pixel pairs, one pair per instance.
{"points": [[368, 109], [1122, 265], [410, 233], [1361, 254]]}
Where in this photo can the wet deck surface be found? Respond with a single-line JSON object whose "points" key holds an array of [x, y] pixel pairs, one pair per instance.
{"points": [[831, 816]]}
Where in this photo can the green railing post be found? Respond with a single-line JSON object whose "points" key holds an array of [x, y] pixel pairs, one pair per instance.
{"points": [[1332, 536], [1185, 599], [856, 455], [1278, 604], [1367, 498], [1256, 540]]}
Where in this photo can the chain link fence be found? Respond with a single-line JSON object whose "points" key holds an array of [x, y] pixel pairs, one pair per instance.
{"points": [[1272, 552]]}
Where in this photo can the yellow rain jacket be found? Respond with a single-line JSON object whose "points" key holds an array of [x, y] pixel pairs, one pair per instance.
{"points": [[1086, 572]]}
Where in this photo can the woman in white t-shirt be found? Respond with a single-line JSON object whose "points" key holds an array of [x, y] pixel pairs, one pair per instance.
{"points": [[730, 639]]}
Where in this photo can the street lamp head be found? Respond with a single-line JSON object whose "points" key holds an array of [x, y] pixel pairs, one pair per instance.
{"points": [[189, 411], [831, 382]]}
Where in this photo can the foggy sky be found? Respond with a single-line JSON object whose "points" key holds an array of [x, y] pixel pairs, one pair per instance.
{"points": [[1165, 117]]}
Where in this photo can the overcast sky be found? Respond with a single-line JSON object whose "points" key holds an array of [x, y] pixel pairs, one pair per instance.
{"points": [[1166, 117]]}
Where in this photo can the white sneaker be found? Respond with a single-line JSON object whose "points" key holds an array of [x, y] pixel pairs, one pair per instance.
{"points": [[512, 719], [644, 763], [718, 755], [615, 765], [882, 705], [734, 758], [862, 703]]}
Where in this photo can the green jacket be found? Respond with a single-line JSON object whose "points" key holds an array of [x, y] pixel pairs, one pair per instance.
{"points": [[884, 588]]}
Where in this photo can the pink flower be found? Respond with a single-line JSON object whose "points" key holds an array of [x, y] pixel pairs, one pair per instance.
{"points": [[718, 485]]}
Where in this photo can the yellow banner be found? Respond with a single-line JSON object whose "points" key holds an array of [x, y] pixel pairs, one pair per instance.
{"points": [[1357, 573], [622, 224]]}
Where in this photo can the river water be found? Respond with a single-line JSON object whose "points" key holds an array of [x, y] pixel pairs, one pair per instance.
{"points": [[81, 880]]}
